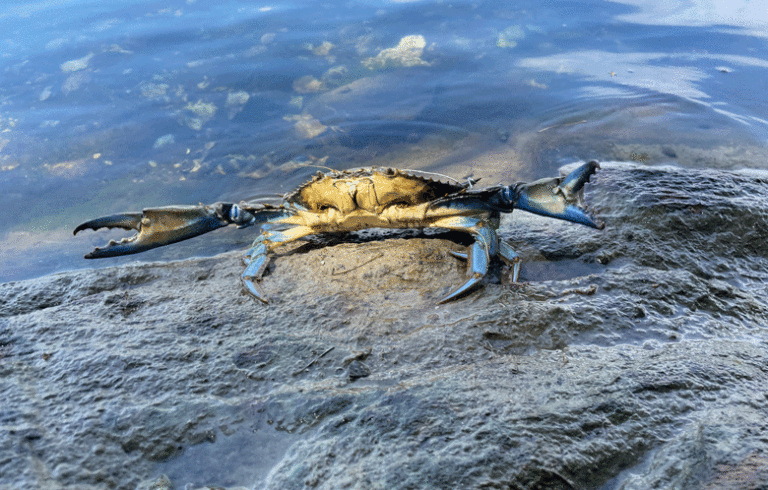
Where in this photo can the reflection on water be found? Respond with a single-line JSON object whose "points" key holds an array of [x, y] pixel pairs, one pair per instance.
{"points": [[107, 109]]}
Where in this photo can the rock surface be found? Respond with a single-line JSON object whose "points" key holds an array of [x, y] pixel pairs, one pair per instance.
{"points": [[633, 358]]}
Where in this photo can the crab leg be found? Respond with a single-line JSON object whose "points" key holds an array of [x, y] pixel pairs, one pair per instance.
{"points": [[510, 257], [506, 252], [559, 197], [156, 227], [479, 255], [257, 256]]}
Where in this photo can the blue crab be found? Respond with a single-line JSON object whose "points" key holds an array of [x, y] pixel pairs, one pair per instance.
{"points": [[351, 200]]}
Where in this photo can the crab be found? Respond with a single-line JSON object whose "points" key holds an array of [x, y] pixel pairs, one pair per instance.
{"points": [[357, 199]]}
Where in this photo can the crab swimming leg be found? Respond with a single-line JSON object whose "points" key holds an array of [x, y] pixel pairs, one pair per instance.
{"points": [[479, 255], [257, 256]]}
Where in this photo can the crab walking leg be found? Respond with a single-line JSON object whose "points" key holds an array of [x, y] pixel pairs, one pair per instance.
{"points": [[257, 256], [506, 252], [479, 255], [510, 257]]}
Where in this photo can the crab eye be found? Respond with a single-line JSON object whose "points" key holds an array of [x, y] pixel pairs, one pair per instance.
{"points": [[234, 213]]}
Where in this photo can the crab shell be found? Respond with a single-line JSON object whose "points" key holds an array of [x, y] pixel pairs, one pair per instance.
{"points": [[363, 198], [369, 189]]}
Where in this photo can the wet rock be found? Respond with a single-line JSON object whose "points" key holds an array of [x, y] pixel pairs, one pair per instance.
{"points": [[357, 369], [629, 358]]}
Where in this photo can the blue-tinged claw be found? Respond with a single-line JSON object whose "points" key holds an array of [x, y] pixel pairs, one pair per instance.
{"points": [[560, 197], [471, 283], [253, 272], [480, 253], [574, 182], [478, 263], [162, 226], [126, 221], [510, 257]]}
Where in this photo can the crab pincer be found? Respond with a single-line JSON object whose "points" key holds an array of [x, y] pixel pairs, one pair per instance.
{"points": [[560, 197], [156, 227]]}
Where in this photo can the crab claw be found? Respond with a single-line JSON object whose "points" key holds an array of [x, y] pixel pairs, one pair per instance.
{"points": [[162, 226], [560, 197]]}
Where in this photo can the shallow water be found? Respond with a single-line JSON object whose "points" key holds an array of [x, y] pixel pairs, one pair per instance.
{"points": [[108, 109]]}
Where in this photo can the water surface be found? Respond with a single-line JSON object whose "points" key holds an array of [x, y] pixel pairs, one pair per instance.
{"points": [[111, 108]]}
